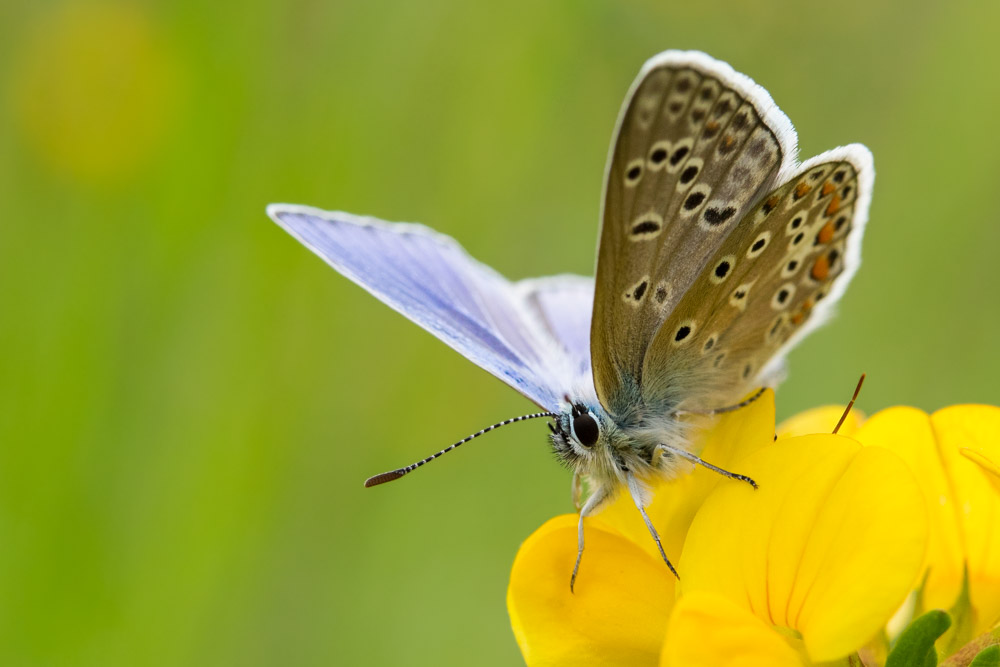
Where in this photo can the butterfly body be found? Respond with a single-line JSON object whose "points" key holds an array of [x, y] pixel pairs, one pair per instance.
{"points": [[718, 252]]}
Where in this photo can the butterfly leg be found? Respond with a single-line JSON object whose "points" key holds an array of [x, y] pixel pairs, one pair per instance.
{"points": [[684, 454], [593, 502], [637, 494], [577, 490]]}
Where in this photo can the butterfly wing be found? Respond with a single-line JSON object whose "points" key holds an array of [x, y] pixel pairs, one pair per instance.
{"points": [[696, 146], [503, 327], [773, 280], [563, 304]]}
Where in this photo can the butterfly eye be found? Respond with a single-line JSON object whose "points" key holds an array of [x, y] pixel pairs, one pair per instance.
{"points": [[585, 429]]}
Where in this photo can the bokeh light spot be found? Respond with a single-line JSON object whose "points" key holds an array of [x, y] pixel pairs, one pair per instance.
{"points": [[94, 89]]}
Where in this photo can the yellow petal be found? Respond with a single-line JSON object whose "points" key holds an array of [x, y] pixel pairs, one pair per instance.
{"points": [[977, 435], [976, 428], [708, 630], [821, 420], [963, 505], [618, 614], [872, 532], [722, 441], [829, 546], [985, 462]]}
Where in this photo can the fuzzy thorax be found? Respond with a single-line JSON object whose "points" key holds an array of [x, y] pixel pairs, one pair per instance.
{"points": [[640, 449]]}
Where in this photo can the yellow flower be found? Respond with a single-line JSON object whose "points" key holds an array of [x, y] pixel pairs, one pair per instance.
{"points": [[824, 553], [620, 607], [987, 456], [623, 597], [962, 503], [954, 455], [806, 569], [821, 420]]}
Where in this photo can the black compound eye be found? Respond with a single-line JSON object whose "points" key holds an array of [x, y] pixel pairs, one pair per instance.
{"points": [[585, 429]]}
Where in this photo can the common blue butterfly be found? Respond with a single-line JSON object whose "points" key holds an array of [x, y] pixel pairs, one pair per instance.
{"points": [[718, 253]]}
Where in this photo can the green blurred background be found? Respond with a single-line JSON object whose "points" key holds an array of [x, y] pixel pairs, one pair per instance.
{"points": [[189, 400]]}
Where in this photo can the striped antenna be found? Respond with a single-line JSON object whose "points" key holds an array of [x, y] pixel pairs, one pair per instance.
{"points": [[396, 474], [857, 390]]}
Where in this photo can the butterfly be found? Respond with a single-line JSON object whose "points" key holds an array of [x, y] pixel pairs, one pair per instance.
{"points": [[718, 252]]}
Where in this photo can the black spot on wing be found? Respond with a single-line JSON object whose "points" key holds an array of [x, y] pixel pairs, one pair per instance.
{"points": [[717, 216]]}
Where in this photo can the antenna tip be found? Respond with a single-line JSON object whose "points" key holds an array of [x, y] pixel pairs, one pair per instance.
{"points": [[383, 478]]}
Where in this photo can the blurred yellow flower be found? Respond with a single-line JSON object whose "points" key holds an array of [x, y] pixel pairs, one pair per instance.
{"points": [[94, 89], [806, 569]]}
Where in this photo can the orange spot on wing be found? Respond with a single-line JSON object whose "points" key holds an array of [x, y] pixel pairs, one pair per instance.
{"points": [[834, 205], [728, 141], [712, 125], [826, 233], [828, 187], [802, 189], [797, 318], [821, 269]]}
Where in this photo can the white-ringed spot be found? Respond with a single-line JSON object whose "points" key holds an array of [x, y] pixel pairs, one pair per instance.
{"points": [[841, 223], [684, 333], [796, 240], [783, 296], [677, 102], [759, 244], [695, 199], [646, 226], [658, 155], [817, 174], [633, 173], [690, 172], [739, 296], [709, 344], [791, 267], [680, 152], [722, 269], [795, 224], [637, 292]]}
